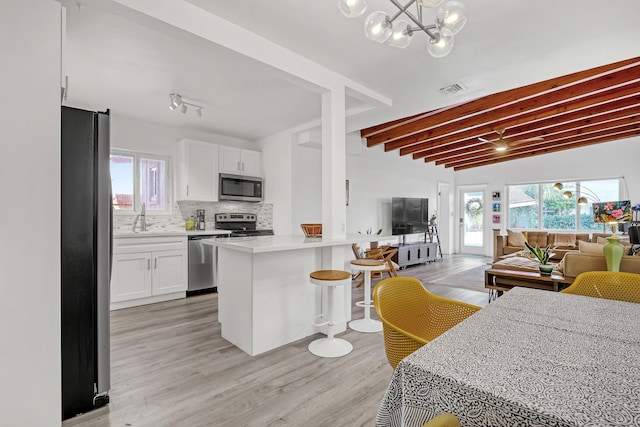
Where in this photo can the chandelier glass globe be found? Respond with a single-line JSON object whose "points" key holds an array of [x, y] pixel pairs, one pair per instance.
{"points": [[400, 34], [377, 27], [352, 8], [452, 15], [443, 45]]}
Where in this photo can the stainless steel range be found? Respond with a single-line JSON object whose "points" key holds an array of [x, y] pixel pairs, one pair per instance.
{"points": [[240, 224]]}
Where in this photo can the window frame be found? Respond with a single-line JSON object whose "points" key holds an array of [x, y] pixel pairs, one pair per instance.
{"points": [[622, 190], [137, 196]]}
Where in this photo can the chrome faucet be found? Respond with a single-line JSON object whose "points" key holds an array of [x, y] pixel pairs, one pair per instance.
{"points": [[143, 218]]}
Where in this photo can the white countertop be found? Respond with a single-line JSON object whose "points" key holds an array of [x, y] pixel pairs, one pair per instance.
{"points": [[261, 244], [165, 233]]}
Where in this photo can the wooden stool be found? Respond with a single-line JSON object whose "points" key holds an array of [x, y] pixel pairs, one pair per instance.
{"points": [[330, 346], [367, 324]]}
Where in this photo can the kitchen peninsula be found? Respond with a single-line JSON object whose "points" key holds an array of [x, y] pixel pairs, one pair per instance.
{"points": [[265, 299]]}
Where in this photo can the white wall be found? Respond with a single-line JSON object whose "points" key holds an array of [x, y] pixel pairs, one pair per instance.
{"points": [[608, 160], [374, 177], [277, 173], [134, 134], [30, 248]]}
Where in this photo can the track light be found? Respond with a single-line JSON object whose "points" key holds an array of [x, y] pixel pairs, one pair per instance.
{"points": [[176, 100]]}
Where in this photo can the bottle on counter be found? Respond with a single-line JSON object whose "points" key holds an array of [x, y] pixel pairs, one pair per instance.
{"points": [[190, 224]]}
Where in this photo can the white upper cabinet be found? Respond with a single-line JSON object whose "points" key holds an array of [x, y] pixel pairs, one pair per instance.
{"points": [[197, 177], [238, 161]]}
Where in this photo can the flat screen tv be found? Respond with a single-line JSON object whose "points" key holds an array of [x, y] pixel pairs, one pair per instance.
{"points": [[409, 215]]}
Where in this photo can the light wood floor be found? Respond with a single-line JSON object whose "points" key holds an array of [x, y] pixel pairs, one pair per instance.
{"points": [[171, 367]]}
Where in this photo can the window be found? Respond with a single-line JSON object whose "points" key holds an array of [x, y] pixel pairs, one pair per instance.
{"points": [[568, 206], [138, 178]]}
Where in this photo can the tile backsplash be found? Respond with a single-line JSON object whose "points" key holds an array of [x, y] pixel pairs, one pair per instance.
{"points": [[184, 209]]}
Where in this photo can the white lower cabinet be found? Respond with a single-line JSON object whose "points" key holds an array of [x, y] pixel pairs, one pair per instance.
{"points": [[147, 270]]}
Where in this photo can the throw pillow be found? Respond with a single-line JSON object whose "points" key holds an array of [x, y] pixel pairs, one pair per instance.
{"points": [[516, 238], [590, 248], [565, 239]]}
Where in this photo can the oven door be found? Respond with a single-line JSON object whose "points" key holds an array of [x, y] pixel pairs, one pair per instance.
{"points": [[239, 187]]}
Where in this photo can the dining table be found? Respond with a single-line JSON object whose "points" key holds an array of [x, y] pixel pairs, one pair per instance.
{"points": [[530, 358]]}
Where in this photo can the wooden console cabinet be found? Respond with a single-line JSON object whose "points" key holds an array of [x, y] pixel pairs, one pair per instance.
{"points": [[415, 253]]}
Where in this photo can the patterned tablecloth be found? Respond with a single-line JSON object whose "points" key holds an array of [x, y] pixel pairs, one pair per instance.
{"points": [[531, 358]]}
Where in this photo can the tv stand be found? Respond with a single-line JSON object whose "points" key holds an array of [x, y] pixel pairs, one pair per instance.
{"points": [[415, 253]]}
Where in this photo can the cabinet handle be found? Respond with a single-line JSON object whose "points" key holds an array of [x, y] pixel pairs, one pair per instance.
{"points": [[148, 264], [155, 263], [238, 165], [243, 166], [187, 190]]}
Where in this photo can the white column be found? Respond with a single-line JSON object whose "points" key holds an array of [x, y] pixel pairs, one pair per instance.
{"points": [[334, 212]]}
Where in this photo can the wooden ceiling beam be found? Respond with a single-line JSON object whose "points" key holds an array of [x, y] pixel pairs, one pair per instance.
{"points": [[605, 121], [607, 111], [567, 137], [532, 95], [583, 142], [598, 103], [628, 79]]}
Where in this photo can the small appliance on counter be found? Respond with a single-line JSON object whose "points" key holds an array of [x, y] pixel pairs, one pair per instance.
{"points": [[200, 221], [240, 224]]}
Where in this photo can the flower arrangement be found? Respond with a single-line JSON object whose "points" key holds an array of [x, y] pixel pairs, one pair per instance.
{"points": [[542, 255]]}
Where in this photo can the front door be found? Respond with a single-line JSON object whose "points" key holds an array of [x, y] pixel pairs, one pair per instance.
{"points": [[472, 220]]}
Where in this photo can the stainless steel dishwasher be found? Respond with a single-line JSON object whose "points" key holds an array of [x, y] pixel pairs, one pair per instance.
{"points": [[203, 260]]}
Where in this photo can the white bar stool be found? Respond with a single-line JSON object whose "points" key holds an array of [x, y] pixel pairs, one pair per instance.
{"points": [[367, 324], [330, 346]]}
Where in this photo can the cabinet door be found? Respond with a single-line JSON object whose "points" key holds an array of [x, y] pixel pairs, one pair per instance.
{"points": [[199, 171], [251, 163], [169, 272], [230, 160], [131, 276]]}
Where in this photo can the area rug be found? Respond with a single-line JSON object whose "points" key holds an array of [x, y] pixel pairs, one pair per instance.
{"points": [[472, 279]]}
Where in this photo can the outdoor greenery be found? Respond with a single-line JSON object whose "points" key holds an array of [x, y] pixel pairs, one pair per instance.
{"points": [[558, 212]]}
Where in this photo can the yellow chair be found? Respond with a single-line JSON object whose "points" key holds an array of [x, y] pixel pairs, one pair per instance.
{"points": [[412, 316], [443, 420], [607, 284]]}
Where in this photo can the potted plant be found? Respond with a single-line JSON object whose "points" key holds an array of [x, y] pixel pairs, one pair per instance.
{"points": [[542, 255], [370, 231], [433, 219]]}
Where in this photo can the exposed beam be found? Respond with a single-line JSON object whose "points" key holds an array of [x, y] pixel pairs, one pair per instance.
{"points": [[628, 96], [626, 81], [560, 147], [574, 128], [417, 124]]}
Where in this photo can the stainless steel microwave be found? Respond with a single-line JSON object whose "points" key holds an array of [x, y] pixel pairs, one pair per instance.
{"points": [[240, 187]]}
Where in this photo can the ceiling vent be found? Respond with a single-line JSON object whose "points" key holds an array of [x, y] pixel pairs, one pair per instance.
{"points": [[452, 89]]}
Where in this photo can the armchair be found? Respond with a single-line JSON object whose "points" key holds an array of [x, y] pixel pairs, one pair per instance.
{"points": [[607, 284], [412, 316]]}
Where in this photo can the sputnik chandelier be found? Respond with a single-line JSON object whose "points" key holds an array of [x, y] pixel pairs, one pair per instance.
{"points": [[176, 101], [382, 28]]}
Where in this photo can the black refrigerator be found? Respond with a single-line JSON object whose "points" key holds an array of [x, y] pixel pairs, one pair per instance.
{"points": [[86, 254]]}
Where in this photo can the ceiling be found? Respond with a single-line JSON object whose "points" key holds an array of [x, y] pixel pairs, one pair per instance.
{"points": [[130, 65], [589, 107]]}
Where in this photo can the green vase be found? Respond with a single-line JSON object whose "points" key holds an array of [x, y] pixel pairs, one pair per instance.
{"points": [[613, 252]]}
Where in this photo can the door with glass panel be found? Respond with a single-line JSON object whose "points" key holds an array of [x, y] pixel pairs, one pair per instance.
{"points": [[472, 239]]}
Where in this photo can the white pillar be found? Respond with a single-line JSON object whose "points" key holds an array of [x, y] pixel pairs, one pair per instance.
{"points": [[334, 212]]}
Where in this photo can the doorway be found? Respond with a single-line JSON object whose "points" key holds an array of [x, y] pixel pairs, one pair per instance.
{"points": [[472, 236]]}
